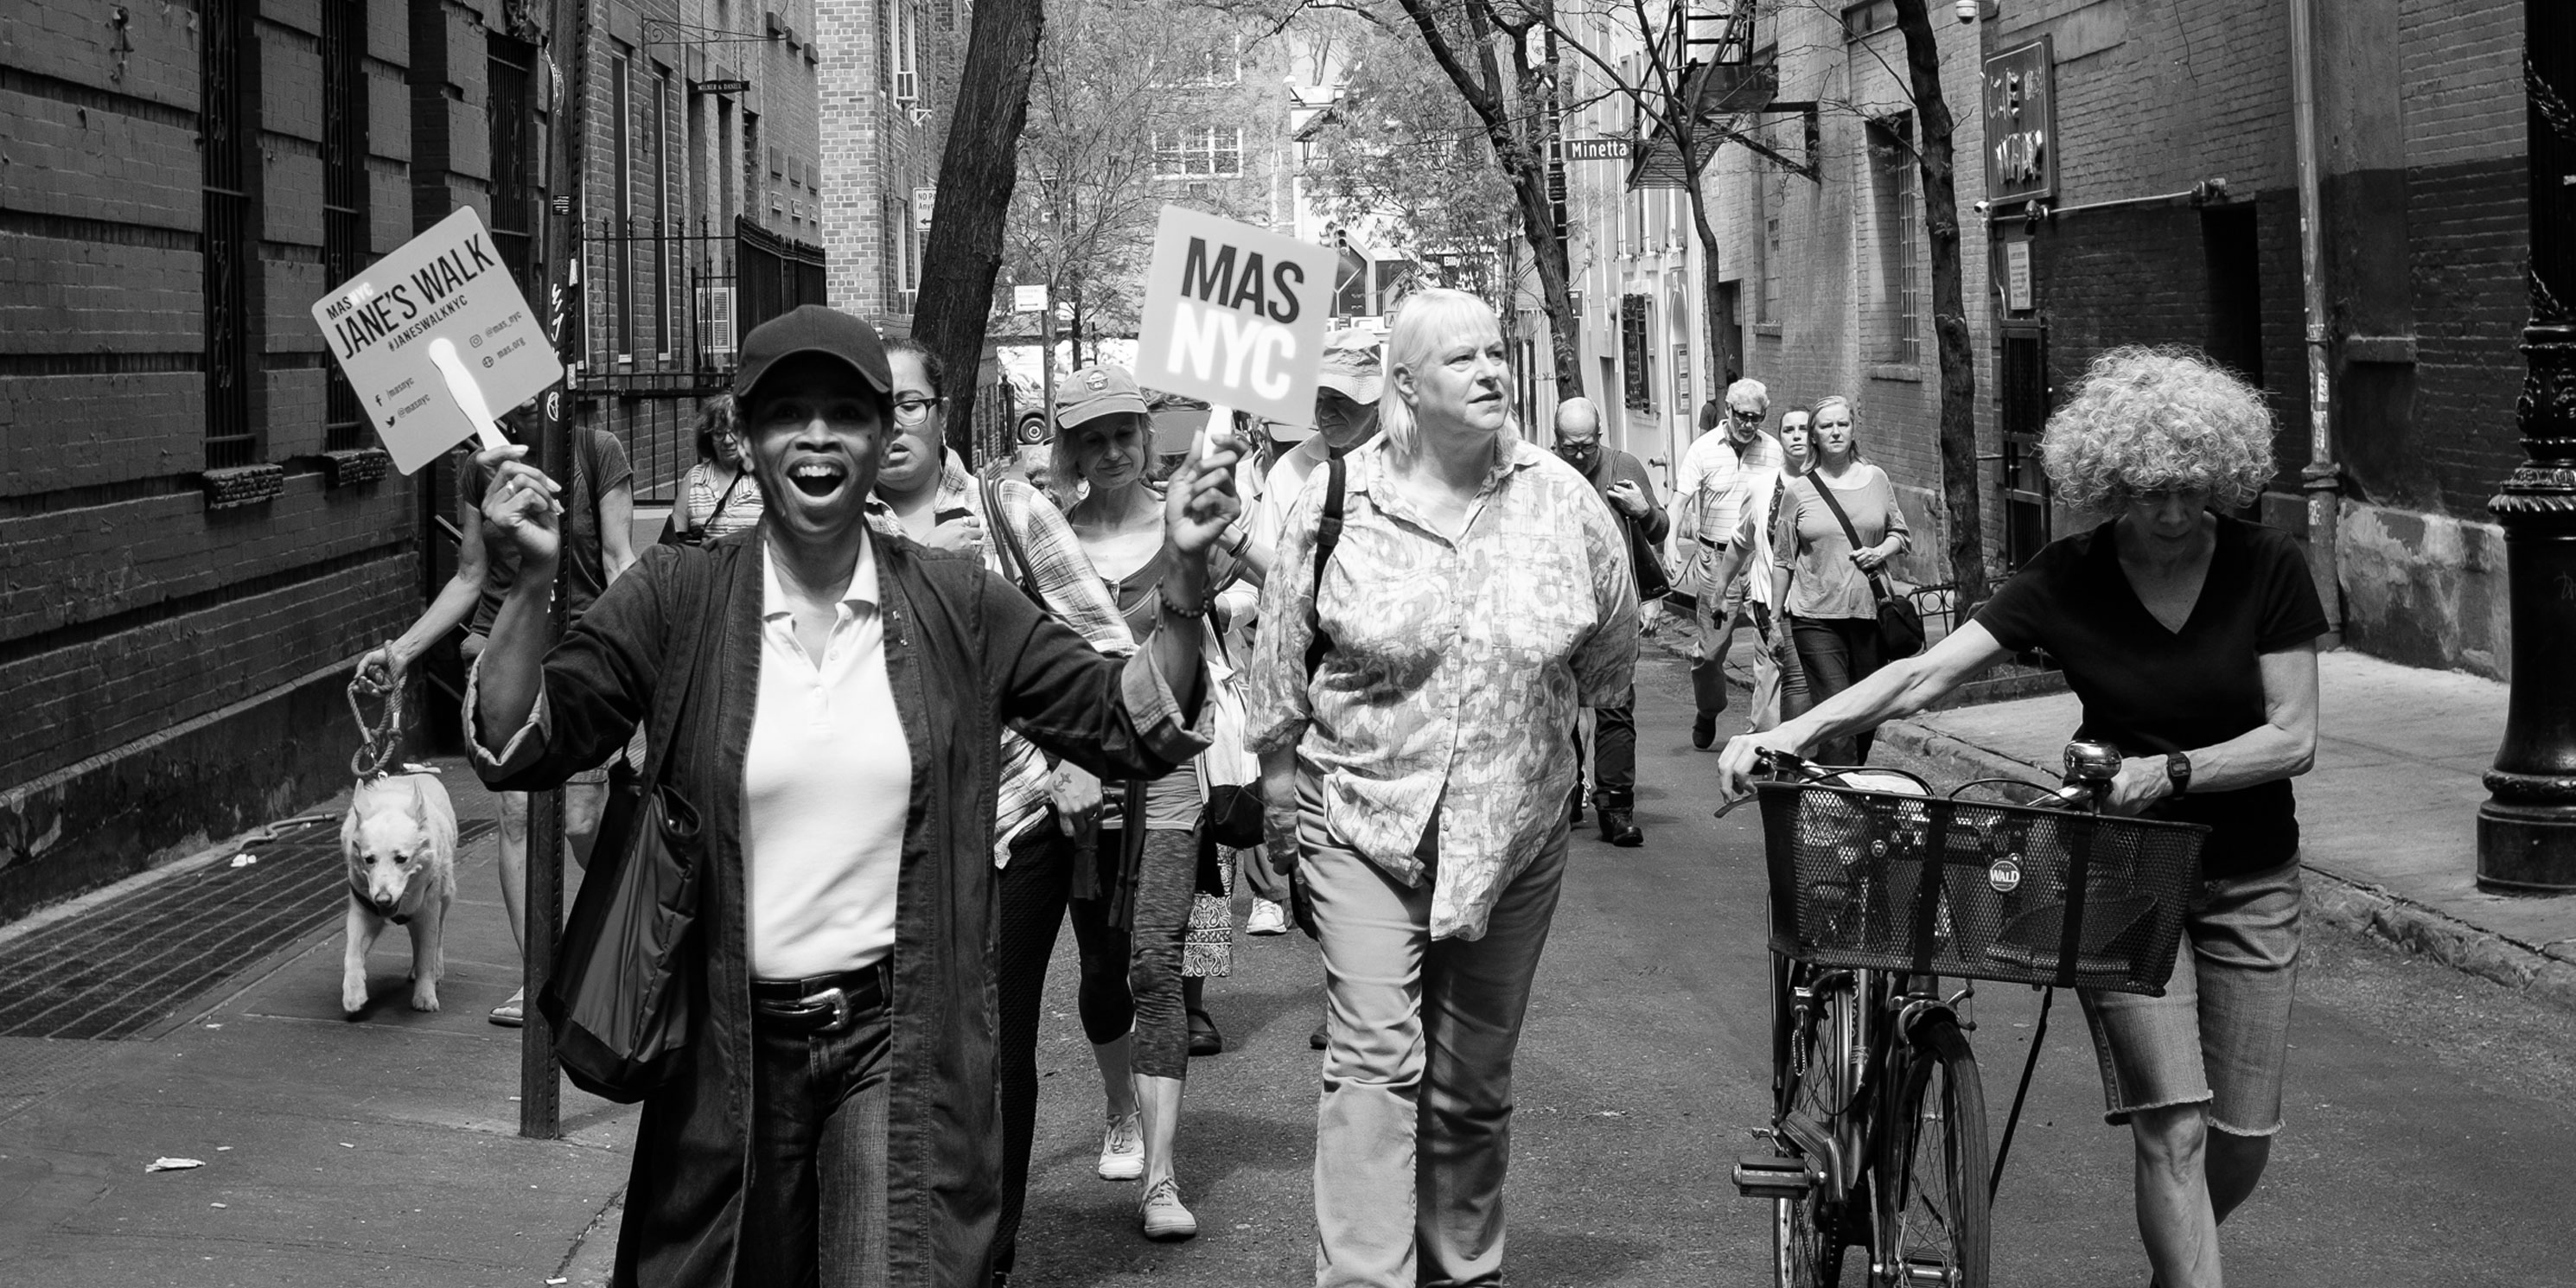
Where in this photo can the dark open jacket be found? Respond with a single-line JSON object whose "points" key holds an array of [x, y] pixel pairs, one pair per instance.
{"points": [[964, 652]]}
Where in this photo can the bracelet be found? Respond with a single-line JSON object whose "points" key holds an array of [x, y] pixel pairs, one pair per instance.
{"points": [[1169, 606]]}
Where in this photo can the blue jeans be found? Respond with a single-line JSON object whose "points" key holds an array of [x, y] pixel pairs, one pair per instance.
{"points": [[814, 1207]]}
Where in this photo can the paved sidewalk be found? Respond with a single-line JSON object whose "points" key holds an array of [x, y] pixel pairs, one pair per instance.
{"points": [[379, 1151], [2388, 817]]}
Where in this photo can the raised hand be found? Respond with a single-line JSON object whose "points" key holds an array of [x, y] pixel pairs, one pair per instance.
{"points": [[520, 511]]}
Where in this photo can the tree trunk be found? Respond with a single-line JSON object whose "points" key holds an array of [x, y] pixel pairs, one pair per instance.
{"points": [[1959, 478], [976, 175], [1712, 303], [1524, 159]]}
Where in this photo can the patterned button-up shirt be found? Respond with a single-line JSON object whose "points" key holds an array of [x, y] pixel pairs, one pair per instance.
{"points": [[1074, 595], [1448, 697]]}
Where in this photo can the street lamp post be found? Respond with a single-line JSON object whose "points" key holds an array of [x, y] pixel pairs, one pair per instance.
{"points": [[2527, 828]]}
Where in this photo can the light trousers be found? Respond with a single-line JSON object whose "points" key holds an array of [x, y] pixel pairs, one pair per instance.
{"points": [[1413, 1129], [1717, 616]]}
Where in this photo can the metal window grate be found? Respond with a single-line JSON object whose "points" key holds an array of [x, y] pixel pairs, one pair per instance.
{"points": [[224, 47], [344, 191], [508, 65]]}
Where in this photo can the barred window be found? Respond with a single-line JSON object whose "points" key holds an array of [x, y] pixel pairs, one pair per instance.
{"points": [[1899, 298]]}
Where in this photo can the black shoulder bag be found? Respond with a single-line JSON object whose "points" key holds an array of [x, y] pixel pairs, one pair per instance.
{"points": [[627, 974], [1900, 628]]}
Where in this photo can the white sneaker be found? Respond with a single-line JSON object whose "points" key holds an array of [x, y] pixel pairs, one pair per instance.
{"points": [[1267, 919], [1163, 1215], [1122, 1150]]}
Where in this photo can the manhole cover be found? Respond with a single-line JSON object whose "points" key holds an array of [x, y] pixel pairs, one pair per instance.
{"points": [[121, 969]]}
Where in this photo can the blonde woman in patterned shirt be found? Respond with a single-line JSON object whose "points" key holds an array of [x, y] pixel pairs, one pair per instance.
{"points": [[1478, 594]]}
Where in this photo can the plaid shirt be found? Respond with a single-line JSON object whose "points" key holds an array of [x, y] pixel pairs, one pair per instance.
{"points": [[1074, 595]]}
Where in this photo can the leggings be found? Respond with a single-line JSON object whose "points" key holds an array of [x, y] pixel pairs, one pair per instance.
{"points": [[1032, 890], [1148, 996], [1837, 653]]}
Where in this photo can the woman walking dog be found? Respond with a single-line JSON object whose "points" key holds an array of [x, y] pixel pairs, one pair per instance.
{"points": [[850, 694]]}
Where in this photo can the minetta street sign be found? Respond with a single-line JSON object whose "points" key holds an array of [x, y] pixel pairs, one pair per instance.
{"points": [[1599, 149]]}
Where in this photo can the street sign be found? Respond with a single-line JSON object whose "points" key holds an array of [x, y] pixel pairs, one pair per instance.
{"points": [[922, 200], [722, 87], [1234, 315], [1029, 299], [433, 334], [1599, 149]]}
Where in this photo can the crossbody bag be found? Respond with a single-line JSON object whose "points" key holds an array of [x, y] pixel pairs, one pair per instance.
{"points": [[1900, 628]]}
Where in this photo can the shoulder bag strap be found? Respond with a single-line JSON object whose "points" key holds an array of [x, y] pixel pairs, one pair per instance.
{"points": [[1825, 491], [1328, 534], [1015, 561], [688, 593], [722, 501]]}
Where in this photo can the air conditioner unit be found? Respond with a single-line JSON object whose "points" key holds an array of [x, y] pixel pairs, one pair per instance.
{"points": [[715, 322], [907, 87]]}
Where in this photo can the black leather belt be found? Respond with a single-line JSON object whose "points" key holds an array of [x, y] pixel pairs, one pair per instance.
{"points": [[821, 1003]]}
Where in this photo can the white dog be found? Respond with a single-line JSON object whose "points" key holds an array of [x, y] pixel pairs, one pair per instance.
{"points": [[400, 842]]}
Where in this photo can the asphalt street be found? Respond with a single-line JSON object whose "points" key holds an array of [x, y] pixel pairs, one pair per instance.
{"points": [[2429, 1134]]}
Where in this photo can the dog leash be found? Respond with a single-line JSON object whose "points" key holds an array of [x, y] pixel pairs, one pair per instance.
{"points": [[381, 739]]}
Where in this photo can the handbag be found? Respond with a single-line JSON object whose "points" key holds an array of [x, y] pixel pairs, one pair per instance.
{"points": [[628, 974], [1652, 583], [1900, 628]]}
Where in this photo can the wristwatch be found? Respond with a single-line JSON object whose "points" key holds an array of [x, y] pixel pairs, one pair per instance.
{"points": [[2178, 769]]}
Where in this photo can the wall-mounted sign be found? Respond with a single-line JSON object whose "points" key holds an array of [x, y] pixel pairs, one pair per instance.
{"points": [[922, 200], [723, 87], [1599, 149], [2021, 123]]}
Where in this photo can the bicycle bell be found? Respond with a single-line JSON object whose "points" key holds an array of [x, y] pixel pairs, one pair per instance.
{"points": [[2088, 761]]}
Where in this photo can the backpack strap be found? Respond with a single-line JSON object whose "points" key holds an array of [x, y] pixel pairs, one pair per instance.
{"points": [[1328, 533]]}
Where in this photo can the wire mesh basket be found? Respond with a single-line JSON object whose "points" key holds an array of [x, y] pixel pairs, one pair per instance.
{"points": [[1976, 890]]}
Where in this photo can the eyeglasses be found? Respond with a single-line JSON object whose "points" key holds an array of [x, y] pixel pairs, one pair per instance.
{"points": [[912, 411], [1577, 447], [1752, 417]]}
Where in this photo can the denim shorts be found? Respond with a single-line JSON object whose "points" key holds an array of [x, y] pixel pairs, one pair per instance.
{"points": [[2220, 1035]]}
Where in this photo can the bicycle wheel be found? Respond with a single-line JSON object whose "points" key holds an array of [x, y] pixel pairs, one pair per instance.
{"points": [[1935, 1215], [1807, 1231]]}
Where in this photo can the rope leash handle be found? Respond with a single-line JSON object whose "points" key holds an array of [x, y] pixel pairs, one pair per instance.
{"points": [[381, 739]]}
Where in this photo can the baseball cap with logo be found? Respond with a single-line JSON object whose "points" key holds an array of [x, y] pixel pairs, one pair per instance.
{"points": [[812, 328], [1094, 392], [1353, 366]]}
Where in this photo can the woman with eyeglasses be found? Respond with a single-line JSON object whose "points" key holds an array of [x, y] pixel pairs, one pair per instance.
{"points": [[1040, 809], [718, 496]]}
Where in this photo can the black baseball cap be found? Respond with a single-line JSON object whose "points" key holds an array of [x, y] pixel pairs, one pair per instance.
{"points": [[812, 328]]}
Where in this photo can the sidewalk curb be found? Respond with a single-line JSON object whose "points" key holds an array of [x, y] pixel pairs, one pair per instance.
{"points": [[2337, 901]]}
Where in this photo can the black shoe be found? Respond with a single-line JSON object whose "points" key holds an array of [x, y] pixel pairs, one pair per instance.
{"points": [[1619, 829], [1204, 1039], [1320, 1038], [1704, 730]]}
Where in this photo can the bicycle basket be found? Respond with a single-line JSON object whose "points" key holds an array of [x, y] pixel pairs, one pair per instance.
{"points": [[2024, 895]]}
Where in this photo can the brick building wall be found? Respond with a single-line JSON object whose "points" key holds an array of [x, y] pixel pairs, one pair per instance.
{"points": [[171, 663], [2424, 236], [877, 148]]}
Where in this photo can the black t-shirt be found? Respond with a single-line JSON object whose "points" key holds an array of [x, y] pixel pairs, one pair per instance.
{"points": [[599, 465], [2150, 691]]}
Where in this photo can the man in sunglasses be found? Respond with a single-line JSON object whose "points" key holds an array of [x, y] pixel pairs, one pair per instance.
{"points": [[1717, 474], [1630, 493]]}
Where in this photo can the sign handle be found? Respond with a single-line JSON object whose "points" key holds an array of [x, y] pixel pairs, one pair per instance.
{"points": [[1218, 431], [468, 395]]}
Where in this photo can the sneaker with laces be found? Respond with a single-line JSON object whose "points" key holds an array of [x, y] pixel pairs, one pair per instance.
{"points": [[1267, 919], [1162, 1213], [1122, 1150]]}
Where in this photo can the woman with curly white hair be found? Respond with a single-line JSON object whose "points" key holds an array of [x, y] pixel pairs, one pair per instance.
{"points": [[2190, 636]]}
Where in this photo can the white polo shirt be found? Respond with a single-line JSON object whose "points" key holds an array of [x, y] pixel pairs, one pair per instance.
{"points": [[826, 783]]}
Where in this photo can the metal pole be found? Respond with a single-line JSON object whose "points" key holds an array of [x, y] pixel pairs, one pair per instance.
{"points": [[2322, 477], [568, 66], [2527, 828]]}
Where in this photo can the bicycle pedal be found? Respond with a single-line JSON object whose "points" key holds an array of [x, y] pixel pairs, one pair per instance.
{"points": [[1771, 1176]]}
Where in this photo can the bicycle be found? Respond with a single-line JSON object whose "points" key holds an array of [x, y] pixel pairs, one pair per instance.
{"points": [[1878, 1133]]}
